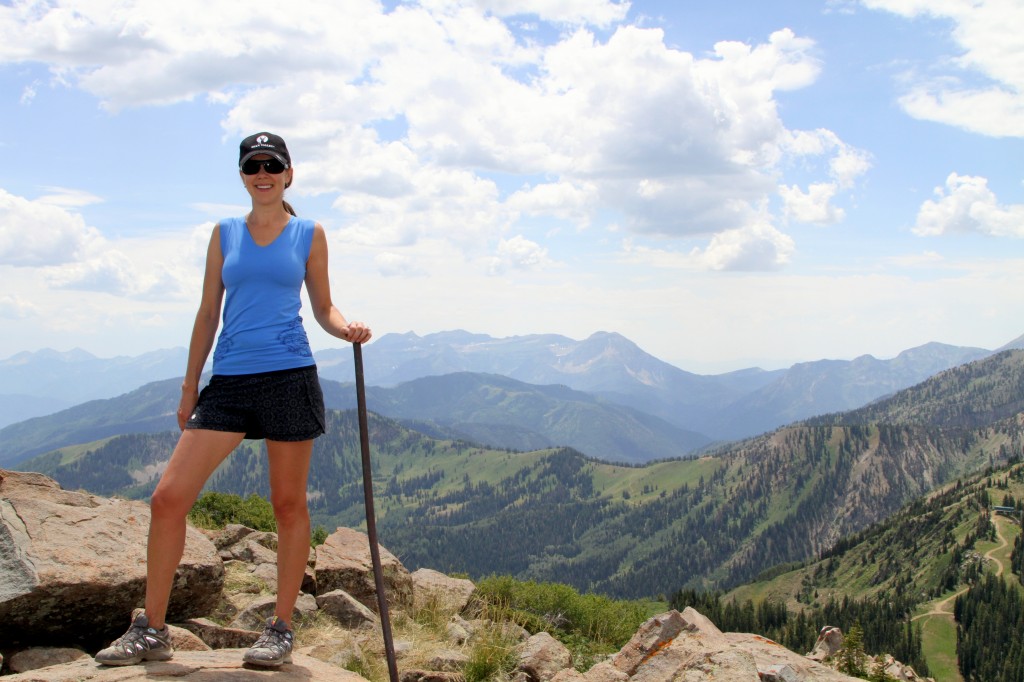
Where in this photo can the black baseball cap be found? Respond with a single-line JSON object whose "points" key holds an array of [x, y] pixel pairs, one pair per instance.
{"points": [[264, 143]]}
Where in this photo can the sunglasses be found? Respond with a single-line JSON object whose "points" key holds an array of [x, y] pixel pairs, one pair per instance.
{"points": [[253, 166]]}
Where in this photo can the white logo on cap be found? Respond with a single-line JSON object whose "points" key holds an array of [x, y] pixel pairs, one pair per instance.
{"points": [[262, 139]]}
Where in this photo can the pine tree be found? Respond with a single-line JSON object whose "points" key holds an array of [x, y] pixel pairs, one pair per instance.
{"points": [[851, 656]]}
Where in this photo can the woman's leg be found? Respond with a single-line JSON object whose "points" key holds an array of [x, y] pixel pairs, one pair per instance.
{"points": [[289, 472], [195, 458]]}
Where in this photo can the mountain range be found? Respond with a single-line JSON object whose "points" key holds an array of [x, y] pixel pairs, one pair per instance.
{"points": [[605, 365], [553, 514], [484, 408]]}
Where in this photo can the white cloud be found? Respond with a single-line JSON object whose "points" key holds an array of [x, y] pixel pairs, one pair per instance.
{"points": [[16, 308], [757, 247], [986, 93], [966, 204], [812, 206], [519, 253], [572, 201], [846, 163], [391, 264], [595, 12], [36, 233], [68, 198], [408, 116]]}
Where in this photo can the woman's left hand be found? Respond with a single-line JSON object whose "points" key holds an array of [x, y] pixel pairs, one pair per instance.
{"points": [[356, 332]]}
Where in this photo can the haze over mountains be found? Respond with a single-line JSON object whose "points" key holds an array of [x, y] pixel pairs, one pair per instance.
{"points": [[553, 514], [605, 365]]}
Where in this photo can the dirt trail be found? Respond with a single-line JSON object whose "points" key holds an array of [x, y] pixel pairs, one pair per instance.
{"points": [[945, 607]]}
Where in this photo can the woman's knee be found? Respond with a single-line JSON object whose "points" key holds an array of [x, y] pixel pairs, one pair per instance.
{"points": [[168, 503], [289, 510]]}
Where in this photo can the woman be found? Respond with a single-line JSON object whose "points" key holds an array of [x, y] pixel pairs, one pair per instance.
{"points": [[264, 385]]}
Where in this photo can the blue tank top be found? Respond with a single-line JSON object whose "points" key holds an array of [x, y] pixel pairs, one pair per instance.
{"points": [[262, 330]]}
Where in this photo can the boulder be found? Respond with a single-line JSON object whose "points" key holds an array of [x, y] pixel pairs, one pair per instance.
{"points": [[224, 665], [73, 565], [183, 639], [430, 676], [448, 661], [345, 609], [41, 657], [605, 672], [435, 589], [569, 675], [343, 562], [655, 635], [542, 656], [830, 640], [687, 646], [254, 616], [219, 637], [343, 651]]}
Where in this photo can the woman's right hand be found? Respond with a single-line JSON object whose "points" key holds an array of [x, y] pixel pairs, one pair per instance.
{"points": [[189, 398]]}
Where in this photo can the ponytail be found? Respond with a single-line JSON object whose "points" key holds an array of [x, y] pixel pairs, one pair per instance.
{"points": [[288, 207]]}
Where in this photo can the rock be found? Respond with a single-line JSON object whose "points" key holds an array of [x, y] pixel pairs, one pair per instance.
{"points": [[41, 657], [430, 676], [900, 672], [656, 634], [779, 673], [343, 562], [219, 637], [341, 651], [541, 656], [687, 646], [448, 661], [605, 672], [224, 665], [458, 630], [569, 675], [255, 615], [433, 588], [267, 574], [830, 640], [183, 639], [229, 535], [73, 565], [344, 608]]}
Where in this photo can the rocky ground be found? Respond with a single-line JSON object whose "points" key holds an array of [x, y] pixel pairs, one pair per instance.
{"points": [[72, 568]]}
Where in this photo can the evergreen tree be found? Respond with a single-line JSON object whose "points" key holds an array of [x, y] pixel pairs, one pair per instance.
{"points": [[851, 657]]}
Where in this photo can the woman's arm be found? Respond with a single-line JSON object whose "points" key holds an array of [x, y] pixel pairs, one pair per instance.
{"points": [[319, 288], [204, 331]]}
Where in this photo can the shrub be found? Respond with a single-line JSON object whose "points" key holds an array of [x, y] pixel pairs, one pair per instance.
{"points": [[216, 510], [589, 625]]}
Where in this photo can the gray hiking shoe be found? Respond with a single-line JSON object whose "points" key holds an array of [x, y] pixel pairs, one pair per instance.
{"points": [[274, 646], [140, 643]]}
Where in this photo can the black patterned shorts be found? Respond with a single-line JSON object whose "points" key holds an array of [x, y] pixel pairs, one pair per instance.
{"points": [[286, 405]]}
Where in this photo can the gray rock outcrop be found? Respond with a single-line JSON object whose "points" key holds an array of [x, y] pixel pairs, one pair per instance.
{"points": [[433, 588], [224, 665], [71, 562], [542, 656], [688, 646], [343, 562], [57, 547]]}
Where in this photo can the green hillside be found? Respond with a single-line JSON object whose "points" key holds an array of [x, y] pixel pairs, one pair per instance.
{"points": [[556, 515], [889, 506]]}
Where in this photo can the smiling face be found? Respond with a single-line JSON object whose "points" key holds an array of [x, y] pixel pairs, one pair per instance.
{"points": [[263, 186]]}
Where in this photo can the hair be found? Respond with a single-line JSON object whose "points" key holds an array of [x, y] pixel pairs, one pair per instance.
{"points": [[288, 207]]}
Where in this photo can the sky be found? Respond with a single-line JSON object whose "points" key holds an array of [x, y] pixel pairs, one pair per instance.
{"points": [[731, 184]]}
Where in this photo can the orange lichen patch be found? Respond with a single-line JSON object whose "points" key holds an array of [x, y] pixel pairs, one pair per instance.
{"points": [[655, 650], [759, 638]]}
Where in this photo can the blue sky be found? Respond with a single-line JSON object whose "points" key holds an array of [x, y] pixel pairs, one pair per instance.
{"points": [[730, 184]]}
